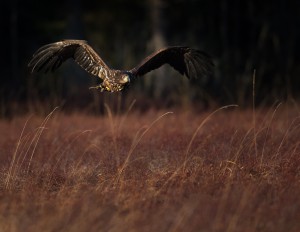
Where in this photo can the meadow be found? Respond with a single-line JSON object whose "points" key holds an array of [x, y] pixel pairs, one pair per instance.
{"points": [[228, 169]]}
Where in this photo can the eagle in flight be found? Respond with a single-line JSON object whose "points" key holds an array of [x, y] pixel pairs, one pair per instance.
{"points": [[187, 61]]}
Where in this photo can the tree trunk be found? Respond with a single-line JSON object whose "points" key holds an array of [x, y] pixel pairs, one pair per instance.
{"points": [[158, 82]]}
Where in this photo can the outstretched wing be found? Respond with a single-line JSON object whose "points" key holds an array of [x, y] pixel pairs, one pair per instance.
{"points": [[187, 61], [51, 56]]}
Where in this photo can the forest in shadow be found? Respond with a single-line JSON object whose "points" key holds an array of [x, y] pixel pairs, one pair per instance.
{"points": [[243, 38]]}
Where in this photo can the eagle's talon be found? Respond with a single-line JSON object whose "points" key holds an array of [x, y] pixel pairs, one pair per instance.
{"points": [[95, 87], [102, 89]]}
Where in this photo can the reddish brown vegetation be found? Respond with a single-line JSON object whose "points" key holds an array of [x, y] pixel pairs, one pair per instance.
{"points": [[152, 172]]}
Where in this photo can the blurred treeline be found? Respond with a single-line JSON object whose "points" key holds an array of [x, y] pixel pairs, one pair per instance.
{"points": [[241, 36]]}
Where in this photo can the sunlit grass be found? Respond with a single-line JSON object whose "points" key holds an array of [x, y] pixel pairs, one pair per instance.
{"points": [[160, 171]]}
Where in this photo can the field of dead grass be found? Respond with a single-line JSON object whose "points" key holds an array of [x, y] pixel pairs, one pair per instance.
{"points": [[229, 170]]}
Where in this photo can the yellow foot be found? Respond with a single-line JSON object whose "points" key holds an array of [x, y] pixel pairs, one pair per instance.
{"points": [[98, 87]]}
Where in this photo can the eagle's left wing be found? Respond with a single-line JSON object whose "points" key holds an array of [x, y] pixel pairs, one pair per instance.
{"points": [[190, 62]]}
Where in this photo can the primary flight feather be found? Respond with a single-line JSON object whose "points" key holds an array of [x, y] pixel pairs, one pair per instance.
{"points": [[187, 61]]}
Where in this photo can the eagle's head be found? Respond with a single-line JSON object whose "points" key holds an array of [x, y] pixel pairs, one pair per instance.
{"points": [[117, 82], [125, 78]]}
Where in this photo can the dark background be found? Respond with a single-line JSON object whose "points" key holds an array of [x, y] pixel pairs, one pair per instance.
{"points": [[241, 36]]}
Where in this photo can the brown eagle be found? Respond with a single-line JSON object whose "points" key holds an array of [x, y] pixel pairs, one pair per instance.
{"points": [[187, 61]]}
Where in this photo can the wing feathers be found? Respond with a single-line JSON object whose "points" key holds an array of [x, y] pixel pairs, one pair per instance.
{"points": [[191, 68], [51, 56], [201, 62], [185, 60]]}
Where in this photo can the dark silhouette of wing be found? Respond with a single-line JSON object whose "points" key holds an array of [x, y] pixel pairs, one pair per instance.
{"points": [[187, 61], [51, 56]]}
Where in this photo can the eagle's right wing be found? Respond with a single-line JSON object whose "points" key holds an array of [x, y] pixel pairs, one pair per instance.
{"points": [[51, 56]]}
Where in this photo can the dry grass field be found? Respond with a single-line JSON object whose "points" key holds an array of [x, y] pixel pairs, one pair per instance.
{"points": [[226, 170]]}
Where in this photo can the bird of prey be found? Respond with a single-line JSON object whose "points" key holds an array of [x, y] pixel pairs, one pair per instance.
{"points": [[187, 61]]}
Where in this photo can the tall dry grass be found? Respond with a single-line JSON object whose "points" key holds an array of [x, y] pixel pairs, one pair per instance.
{"points": [[160, 171]]}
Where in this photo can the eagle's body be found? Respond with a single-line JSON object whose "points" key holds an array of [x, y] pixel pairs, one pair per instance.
{"points": [[187, 61]]}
